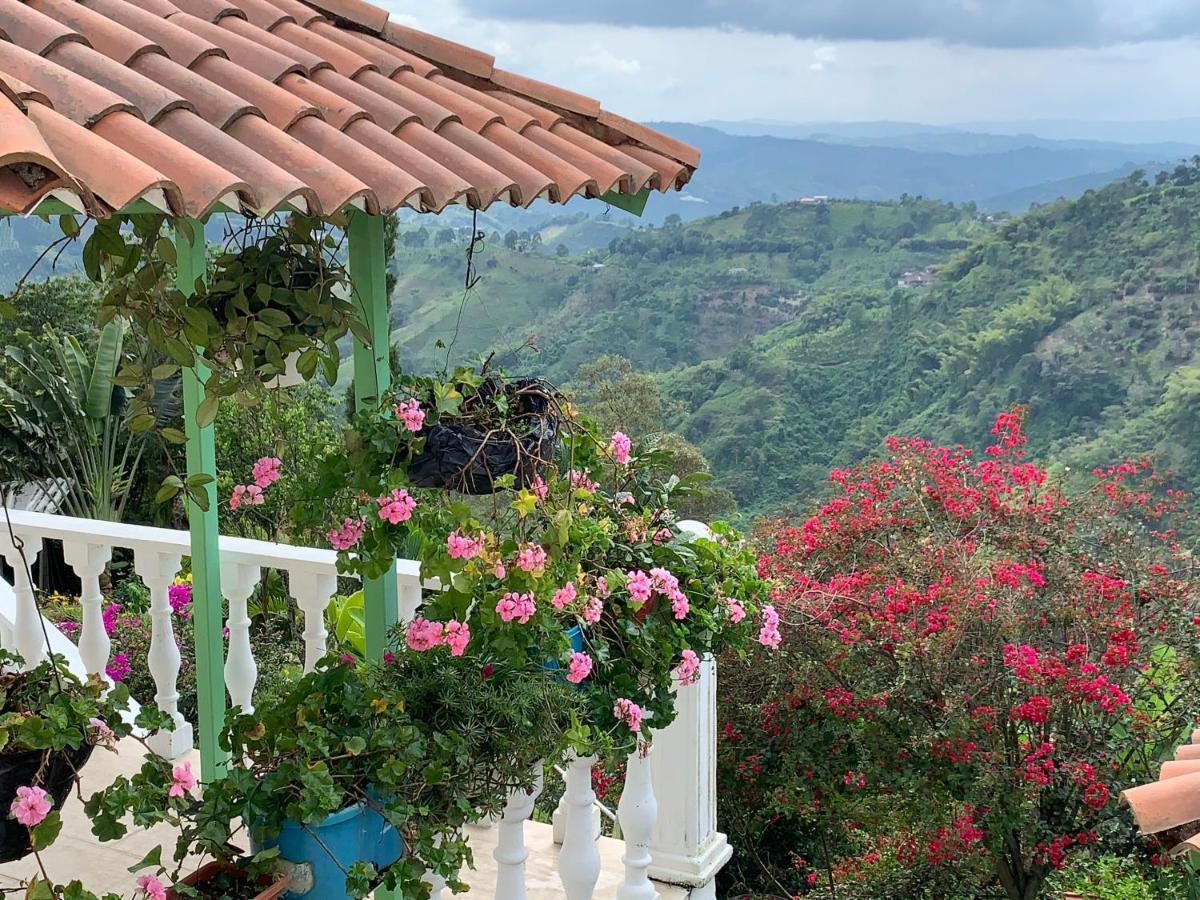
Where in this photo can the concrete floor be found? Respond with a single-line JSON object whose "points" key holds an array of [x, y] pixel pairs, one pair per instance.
{"points": [[105, 866]]}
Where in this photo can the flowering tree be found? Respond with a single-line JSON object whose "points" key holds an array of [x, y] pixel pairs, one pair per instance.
{"points": [[975, 651]]}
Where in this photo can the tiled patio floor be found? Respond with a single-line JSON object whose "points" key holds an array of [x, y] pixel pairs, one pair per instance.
{"points": [[105, 867]]}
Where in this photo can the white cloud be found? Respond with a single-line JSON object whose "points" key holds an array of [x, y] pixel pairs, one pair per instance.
{"points": [[822, 57]]}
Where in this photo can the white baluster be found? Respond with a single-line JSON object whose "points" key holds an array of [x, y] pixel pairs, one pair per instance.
{"points": [[27, 627], [158, 569], [510, 853], [238, 581], [558, 820], [579, 859], [312, 593], [638, 813], [408, 597], [89, 562]]}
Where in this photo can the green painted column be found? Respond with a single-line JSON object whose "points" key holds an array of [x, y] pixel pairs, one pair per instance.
{"points": [[207, 602], [372, 376]]}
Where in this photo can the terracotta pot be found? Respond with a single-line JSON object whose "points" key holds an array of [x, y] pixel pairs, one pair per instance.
{"points": [[269, 889]]}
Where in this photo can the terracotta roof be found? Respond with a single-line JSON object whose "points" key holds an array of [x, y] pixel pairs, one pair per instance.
{"points": [[260, 103], [1170, 807]]}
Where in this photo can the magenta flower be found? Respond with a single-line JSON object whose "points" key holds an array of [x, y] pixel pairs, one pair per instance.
{"points": [[620, 447], [183, 781], [688, 670], [457, 635], [517, 607], [769, 635], [69, 628], [398, 507], [266, 471], [579, 667], [111, 613], [628, 712], [118, 667], [411, 414], [152, 887], [31, 806], [180, 597], [349, 534]]}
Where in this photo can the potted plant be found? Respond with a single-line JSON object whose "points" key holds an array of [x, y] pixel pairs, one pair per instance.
{"points": [[357, 776], [50, 722], [585, 564]]}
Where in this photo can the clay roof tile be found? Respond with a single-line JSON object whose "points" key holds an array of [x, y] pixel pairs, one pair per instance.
{"points": [[1161, 805], [264, 14], [214, 104], [356, 12], [250, 55], [387, 114], [343, 59], [181, 45], [211, 11], [33, 30], [547, 93], [337, 111], [439, 50], [111, 38], [77, 98], [281, 108], [151, 99]]}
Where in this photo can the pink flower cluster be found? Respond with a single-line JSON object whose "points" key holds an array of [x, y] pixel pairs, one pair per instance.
{"points": [[579, 667], [152, 887], [642, 587], [769, 635], [423, 634], [410, 413], [180, 597], [347, 535], [246, 495], [539, 487], [462, 547], [735, 610], [532, 558], [518, 607], [564, 596], [620, 447], [266, 471], [183, 782], [688, 670], [581, 482], [593, 610], [398, 507], [628, 712], [31, 806]]}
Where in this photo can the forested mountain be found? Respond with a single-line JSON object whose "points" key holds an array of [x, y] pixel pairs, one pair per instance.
{"points": [[788, 346]]}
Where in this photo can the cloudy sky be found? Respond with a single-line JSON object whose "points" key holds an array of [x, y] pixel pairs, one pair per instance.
{"points": [[934, 61]]}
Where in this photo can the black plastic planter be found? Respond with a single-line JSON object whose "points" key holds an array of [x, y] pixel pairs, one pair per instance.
{"points": [[469, 459], [23, 769]]}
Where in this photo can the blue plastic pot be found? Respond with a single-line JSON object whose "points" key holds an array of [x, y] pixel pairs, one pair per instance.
{"points": [[355, 834], [575, 635]]}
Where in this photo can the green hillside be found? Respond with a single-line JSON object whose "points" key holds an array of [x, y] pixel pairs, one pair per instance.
{"points": [[782, 333]]}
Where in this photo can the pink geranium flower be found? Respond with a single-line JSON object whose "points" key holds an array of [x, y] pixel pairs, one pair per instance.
{"points": [[246, 495], [593, 610], [422, 634], [735, 610], [640, 586], [518, 607], [347, 535], [31, 806], [532, 558], [462, 547], [397, 507], [266, 471], [579, 667], [620, 446], [410, 413], [564, 596], [457, 635], [183, 781], [769, 635], [688, 670], [152, 887], [628, 712]]}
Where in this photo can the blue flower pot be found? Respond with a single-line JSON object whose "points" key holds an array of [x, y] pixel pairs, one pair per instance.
{"points": [[575, 635], [355, 834]]}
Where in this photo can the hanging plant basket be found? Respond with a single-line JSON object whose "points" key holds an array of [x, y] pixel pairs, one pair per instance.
{"points": [[52, 770], [221, 879], [505, 428]]}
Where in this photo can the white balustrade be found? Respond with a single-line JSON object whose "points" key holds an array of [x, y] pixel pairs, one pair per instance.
{"points": [[313, 593], [89, 562], [158, 570], [238, 581], [408, 596], [638, 814], [510, 853], [579, 858], [20, 550]]}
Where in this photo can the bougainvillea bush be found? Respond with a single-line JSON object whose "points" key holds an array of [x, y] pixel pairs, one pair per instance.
{"points": [[978, 658], [584, 571]]}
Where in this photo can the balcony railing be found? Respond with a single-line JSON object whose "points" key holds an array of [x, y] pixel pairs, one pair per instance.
{"points": [[666, 814]]}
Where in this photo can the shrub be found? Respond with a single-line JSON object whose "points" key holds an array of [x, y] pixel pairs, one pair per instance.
{"points": [[979, 659]]}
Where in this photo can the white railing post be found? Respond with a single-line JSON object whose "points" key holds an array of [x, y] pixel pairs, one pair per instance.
{"points": [[579, 859], [638, 814], [238, 581], [158, 569], [686, 848], [408, 597], [510, 853], [89, 561], [313, 593], [27, 627]]}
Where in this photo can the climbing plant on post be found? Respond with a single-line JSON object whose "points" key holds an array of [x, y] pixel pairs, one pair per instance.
{"points": [[203, 523]]}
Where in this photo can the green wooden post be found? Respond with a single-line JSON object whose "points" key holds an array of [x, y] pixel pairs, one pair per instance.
{"points": [[372, 377], [207, 602]]}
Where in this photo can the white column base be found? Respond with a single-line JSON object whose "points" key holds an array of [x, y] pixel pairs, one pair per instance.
{"points": [[173, 744], [695, 871]]}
